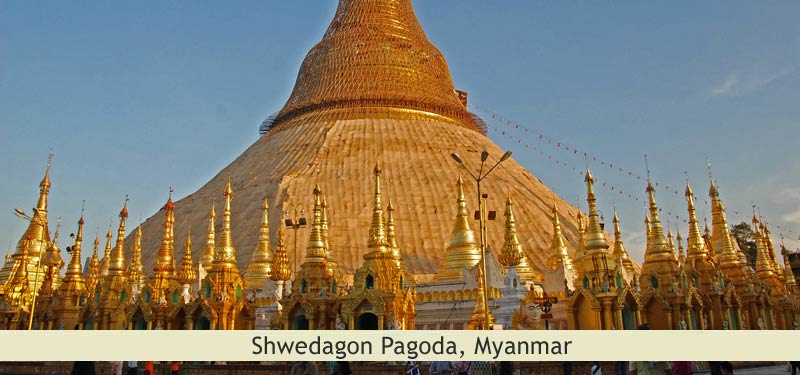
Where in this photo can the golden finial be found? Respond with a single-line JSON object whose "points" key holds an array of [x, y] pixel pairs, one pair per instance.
{"points": [[135, 272], [391, 235], [260, 266], [44, 186], [208, 252], [116, 266], [377, 228], [73, 280], [225, 252], [106, 261], [164, 265], [695, 244], [280, 259], [511, 254], [187, 273], [659, 258], [558, 249], [463, 250], [620, 254], [595, 238], [316, 251], [332, 265], [681, 254], [92, 272]]}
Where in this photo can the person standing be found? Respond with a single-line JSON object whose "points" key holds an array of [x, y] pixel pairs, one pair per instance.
{"points": [[133, 368], [116, 368], [148, 368], [175, 368], [795, 366]]}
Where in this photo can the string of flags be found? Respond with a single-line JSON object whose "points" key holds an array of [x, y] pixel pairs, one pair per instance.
{"points": [[521, 135]]}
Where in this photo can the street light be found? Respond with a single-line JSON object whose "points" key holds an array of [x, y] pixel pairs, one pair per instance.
{"points": [[21, 214], [482, 219], [296, 222]]}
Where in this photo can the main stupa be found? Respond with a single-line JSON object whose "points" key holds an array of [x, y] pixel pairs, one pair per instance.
{"points": [[373, 90]]}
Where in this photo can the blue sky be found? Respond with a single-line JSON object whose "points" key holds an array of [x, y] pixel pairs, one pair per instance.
{"points": [[136, 97]]}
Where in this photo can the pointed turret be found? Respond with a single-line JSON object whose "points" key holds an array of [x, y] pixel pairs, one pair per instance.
{"points": [[512, 254], [559, 256], [595, 237], [722, 240], [377, 228], [225, 253], [164, 265], [73, 280], [92, 273], [464, 251], [135, 273], [681, 253], [659, 259], [696, 245], [186, 273], [316, 251], [208, 252], [791, 282], [391, 235], [280, 259], [764, 268], [259, 268], [333, 266], [707, 240], [116, 266], [619, 254]]}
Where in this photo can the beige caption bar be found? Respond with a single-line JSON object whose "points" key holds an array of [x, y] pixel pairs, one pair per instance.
{"points": [[399, 345]]}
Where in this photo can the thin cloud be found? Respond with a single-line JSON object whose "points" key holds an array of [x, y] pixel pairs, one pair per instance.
{"points": [[792, 217], [742, 83]]}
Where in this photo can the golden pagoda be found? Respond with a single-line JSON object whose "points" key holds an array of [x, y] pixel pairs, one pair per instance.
{"points": [[114, 291], [259, 268], [364, 89], [380, 298], [72, 291], [135, 272], [512, 254], [463, 251]]}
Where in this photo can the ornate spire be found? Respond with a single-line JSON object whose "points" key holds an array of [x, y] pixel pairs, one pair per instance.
{"points": [[558, 250], [463, 251], [280, 259], [260, 266], [164, 265], [620, 255], [391, 235], [377, 229], [225, 253], [791, 283], [135, 274], [333, 267], [208, 252], [92, 273], [511, 253], [681, 254], [764, 268], [695, 245], [116, 266], [187, 274], [721, 238], [316, 251], [595, 238], [73, 280], [659, 257], [707, 240], [44, 188], [106, 261], [340, 77]]}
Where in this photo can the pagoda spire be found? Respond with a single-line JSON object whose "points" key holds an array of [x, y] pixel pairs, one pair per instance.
{"points": [[186, 273], [208, 252], [135, 274], [619, 254], [595, 238], [512, 254], [92, 273], [721, 238], [463, 251], [558, 250], [391, 235], [106, 261], [333, 267], [280, 262], [707, 240], [260, 266], [659, 258], [316, 251], [225, 253], [681, 253], [164, 265], [377, 229], [116, 266], [695, 244], [73, 280], [764, 268], [791, 283]]}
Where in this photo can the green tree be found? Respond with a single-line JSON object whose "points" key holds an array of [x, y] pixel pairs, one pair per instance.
{"points": [[746, 240]]}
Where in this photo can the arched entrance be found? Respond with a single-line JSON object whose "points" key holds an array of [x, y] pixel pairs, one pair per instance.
{"points": [[139, 322], [202, 324], [367, 321], [300, 323]]}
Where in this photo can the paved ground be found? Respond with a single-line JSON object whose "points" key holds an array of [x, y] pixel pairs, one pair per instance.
{"points": [[772, 370]]}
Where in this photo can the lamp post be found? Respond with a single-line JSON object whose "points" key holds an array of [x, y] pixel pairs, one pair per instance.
{"points": [[21, 214], [482, 220], [295, 222]]}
